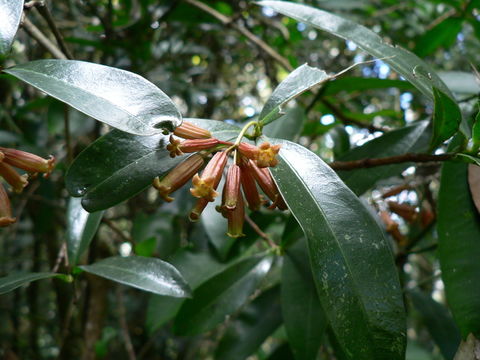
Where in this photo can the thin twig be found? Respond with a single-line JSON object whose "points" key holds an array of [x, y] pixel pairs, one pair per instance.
{"points": [[225, 20], [117, 230], [260, 233], [62, 254], [409, 157], [47, 15], [124, 326], [348, 120], [35, 33]]}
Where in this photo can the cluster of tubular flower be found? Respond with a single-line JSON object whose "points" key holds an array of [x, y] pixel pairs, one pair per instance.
{"points": [[31, 163], [247, 169]]}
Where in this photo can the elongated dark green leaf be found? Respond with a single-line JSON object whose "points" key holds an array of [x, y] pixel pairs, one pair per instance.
{"points": [[287, 127], [298, 81], [10, 14], [414, 138], [149, 274], [13, 281], [220, 296], [407, 64], [255, 323], [459, 246], [116, 97], [351, 260], [196, 268], [118, 165], [303, 316], [81, 227], [446, 118], [443, 34], [476, 133], [439, 323]]}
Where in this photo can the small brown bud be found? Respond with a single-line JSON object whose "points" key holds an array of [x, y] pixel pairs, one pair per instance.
{"points": [[27, 161], [189, 131], [11, 176], [5, 209]]}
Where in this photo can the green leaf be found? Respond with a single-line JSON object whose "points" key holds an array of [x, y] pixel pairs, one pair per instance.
{"points": [[443, 34], [116, 97], [297, 82], [196, 268], [341, 141], [412, 138], [476, 133], [10, 14], [13, 281], [287, 127], [303, 316], [351, 260], [81, 227], [221, 296], [149, 274], [446, 118], [439, 323], [407, 64], [459, 246], [118, 165], [255, 323]]}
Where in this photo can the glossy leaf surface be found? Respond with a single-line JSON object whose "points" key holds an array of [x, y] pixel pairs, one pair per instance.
{"points": [[414, 138], [13, 281], [81, 227], [443, 34], [220, 296], [10, 14], [287, 127], [118, 165], [407, 64], [459, 247], [248, 331], [298, 81], [303, 316], [351, 260], [148, 274], [116, 97], [446, 118]]}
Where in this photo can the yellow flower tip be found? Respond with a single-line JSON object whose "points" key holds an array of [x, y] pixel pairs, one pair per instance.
{"points": [[267, 155], [174, 147], [6, 221], [203, 188], [163, 189], [50, 165], [235, 236]]}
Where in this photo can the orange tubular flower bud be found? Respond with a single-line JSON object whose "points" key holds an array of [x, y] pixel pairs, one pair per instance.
{"points": [[27, 161], [249, 151], [236, 218], [189, 131], [204, 186], [265, 180], [5, 209], [178, 177], [250, 188], [16, 181], [198, 209], [407, 212], [232, 187], [267, 156]]}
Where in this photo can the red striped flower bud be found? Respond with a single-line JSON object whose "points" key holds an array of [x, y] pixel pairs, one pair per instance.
{"points": [[236, 218], [5, 209], [197, 210], [232, 187], [11, 176], [204, 186], [178, 177], [250, 188], [189, 131], [265, 180], [27, 161], [249, 151], [267, 156], [190, 146]]}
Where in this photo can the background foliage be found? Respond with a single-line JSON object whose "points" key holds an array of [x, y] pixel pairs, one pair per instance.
{"points": [[279, 292]]}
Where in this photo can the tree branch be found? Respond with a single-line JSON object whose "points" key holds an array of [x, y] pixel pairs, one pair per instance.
{"points": [[35, 33], [225, 20], [260, 233], [409, 157]]}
